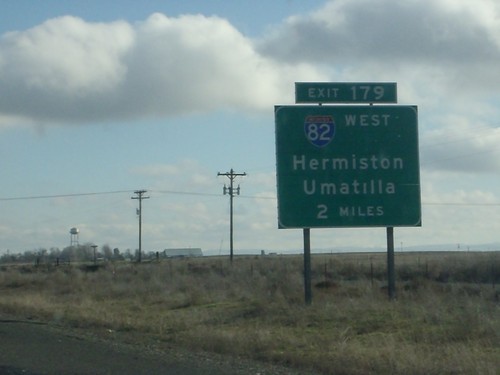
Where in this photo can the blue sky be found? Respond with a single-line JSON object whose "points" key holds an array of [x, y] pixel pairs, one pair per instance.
{"points": [[110, 97]]}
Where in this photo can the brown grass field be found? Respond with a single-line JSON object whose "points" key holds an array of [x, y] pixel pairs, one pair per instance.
{"points": [[445, 319]]}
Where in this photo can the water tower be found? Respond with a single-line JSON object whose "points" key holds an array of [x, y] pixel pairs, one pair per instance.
{"points": [[73, 232]]}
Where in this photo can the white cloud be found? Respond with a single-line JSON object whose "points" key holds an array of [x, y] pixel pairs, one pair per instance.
{"points": [[62, 68], [67, 56], [462, 38], [67, 70], [422, 31]]}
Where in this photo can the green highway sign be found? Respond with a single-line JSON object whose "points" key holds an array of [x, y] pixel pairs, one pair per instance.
{"points": [[345, 92], [347, 166]]}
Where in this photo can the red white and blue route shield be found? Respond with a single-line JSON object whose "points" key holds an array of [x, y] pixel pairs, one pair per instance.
{"points": [[319, 130]]}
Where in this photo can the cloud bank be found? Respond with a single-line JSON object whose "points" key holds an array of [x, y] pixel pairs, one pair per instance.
{"points": [[460, 35], [67, 70]]}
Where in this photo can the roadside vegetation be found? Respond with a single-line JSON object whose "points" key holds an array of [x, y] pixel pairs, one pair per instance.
{"points": [[445, 319]]}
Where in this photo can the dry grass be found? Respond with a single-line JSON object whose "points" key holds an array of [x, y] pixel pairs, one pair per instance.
{"points": [[446, 319]]}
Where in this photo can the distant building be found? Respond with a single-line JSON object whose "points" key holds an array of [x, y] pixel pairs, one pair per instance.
{"points": [[180, 253]]}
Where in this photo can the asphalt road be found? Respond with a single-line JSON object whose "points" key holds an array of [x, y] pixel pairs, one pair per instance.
{"points": [[32, 348]]}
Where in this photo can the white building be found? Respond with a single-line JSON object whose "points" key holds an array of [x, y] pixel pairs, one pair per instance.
{"points": [[186, 252]]}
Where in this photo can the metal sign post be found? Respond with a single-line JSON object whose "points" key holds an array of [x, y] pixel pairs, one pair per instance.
{"points": [[307, 266], [391, 274]]}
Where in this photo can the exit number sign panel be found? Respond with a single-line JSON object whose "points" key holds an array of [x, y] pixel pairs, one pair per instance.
{"points": [[345, 92]]}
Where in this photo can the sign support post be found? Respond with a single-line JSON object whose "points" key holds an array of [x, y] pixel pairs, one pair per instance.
{"points": [[307, 266], [391, 276]]}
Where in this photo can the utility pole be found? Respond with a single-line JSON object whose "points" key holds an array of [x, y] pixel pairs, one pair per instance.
{"points": [[140, 196], [231, 191]]}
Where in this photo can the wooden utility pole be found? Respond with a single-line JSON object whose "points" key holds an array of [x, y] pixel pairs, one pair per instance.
{"points": [[231, 191], [140, 196]]}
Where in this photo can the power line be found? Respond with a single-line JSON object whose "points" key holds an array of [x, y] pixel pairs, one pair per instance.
{"points": [[64, 195], [458, 204], [194, 193], [466, 136]]}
